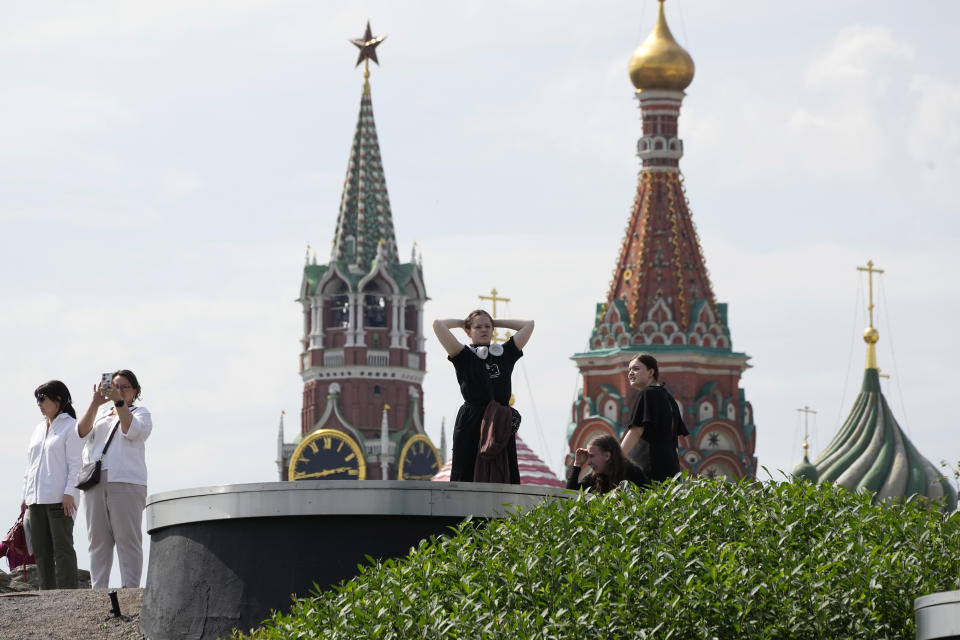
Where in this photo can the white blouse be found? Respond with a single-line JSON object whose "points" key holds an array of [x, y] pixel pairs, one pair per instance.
{"points": [[126, 457], [53, 460]]}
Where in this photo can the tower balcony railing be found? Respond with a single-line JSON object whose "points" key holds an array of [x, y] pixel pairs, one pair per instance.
{"points": [[374, 448], [333, 358], [378, 358]]}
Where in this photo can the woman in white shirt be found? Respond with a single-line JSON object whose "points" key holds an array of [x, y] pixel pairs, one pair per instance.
{"points": [[114, 506], [49, 495]]}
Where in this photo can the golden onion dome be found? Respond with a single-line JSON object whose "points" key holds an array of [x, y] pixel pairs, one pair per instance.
{"points": [[659, 62]]}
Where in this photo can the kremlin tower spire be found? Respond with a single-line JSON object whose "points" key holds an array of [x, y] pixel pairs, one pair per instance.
{"points": [[363, 344], [870, 451], [660, 299], [365, 222]]}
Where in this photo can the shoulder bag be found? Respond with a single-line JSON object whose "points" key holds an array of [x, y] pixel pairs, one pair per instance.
{"points": [[89, 474]]}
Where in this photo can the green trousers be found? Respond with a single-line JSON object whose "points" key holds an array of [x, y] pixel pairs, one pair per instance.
{"points": [[51, 533]]}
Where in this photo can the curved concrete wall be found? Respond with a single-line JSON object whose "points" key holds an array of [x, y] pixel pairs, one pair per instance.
{"points": [[937, 616], [224, 557]]}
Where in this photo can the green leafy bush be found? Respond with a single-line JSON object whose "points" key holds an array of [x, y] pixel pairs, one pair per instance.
{"points": [[694, 559]]}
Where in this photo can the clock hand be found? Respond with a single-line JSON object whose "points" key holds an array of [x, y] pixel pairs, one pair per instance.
{"points": [[322, 474]]}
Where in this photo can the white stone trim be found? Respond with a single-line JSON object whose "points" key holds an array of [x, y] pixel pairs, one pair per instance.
{"points": [[353, 372]]}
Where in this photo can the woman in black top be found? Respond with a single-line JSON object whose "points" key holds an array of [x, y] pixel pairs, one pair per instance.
{"points": [[482, 368], [610, 467], [656, 418]]}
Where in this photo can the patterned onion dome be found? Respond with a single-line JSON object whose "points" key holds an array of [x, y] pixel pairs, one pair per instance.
{"points": [[659, 62], [532, 469], [871, 452]]}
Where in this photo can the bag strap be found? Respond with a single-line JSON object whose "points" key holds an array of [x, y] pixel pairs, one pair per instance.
{"points": [[109, 439]]}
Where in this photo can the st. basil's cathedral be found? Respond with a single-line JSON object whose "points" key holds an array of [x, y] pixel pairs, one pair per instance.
{"points": [[661, 301]]}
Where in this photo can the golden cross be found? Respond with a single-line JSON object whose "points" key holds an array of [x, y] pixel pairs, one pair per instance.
{"points": [[494, 299], [870, 271], [806, 411], [882, 375]]}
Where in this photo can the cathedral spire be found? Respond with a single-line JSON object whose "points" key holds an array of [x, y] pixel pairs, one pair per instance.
{"points": [[660, 280], [365, 218], [660, 299]]}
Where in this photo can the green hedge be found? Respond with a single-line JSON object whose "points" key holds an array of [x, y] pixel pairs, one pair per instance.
{"points": [[697, 559]]}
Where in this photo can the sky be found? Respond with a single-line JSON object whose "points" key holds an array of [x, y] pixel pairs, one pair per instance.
{"points": [[164, 165]]}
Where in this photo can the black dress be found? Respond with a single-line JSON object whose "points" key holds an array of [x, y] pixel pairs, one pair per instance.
{"points": [[657, 412], [473, 374]]}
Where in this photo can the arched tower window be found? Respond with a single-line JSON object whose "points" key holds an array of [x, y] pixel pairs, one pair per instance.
{"points": [[374, 307], [339, 311]]}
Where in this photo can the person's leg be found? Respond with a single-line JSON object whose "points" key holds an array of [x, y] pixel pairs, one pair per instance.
{"points": [[125, 502], [65, 557], [512, 462], [466, 442], [99, 535], [42, 545]]}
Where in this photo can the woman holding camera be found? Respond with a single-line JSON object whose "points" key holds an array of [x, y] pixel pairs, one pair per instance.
{"points": [[483, 374], [49, 495], [114, 506], [610, 467]]}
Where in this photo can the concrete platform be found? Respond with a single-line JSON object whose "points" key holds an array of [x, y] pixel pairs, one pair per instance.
{"points": [[224, 557], [937, 616]]}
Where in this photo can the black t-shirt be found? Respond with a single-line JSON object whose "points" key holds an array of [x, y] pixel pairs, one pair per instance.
{"points": [[657, 412], [471, 371]]}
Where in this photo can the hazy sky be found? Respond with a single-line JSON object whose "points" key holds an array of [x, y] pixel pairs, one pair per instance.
{"points": [[163, 166]]}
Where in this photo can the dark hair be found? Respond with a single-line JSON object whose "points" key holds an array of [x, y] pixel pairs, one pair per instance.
{"points": [[468, 322], [58, 392], [616, 470], [129, 375], [650, 363]]}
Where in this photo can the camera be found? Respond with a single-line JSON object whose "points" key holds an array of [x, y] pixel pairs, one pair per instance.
{"points": [[106, 381]]}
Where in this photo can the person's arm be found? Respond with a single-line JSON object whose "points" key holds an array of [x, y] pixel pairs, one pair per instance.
{"points": [[579, 459], [523, 330], [123, 413], [447, 340], [73, 446], [141, 424], [85, 423], [630, 439]]}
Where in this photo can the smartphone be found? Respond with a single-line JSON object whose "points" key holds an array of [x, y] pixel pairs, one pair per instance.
{"points": [[106, 380]]}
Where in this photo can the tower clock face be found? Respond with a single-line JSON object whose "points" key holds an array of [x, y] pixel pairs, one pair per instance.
{"points": [[327, 454], [419, 459]]}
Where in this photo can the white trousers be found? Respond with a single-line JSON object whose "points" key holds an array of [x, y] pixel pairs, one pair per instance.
{"points": [[114, 512]]}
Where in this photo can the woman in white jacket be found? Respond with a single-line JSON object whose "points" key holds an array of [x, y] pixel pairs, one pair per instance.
{"points": [[114, 506], [49, 495]]}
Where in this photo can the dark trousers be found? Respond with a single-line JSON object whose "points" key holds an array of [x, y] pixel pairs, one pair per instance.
{"points": [[51, 533]]}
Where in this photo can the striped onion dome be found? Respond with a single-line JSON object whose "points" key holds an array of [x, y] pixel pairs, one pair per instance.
{"points": [[532, 469], [871, 452]]}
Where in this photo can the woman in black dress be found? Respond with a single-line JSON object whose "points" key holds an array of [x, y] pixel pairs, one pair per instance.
{"points": [[656, 418], [482, 368], [610, 467]]}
